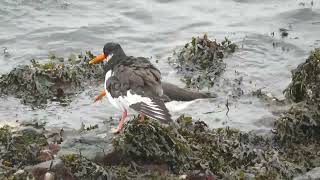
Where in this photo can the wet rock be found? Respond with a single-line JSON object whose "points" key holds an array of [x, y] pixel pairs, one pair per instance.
{"points": [[297, 131], [305, 83], [193, 149], [47, 169], [21, 175], [300, 124], [19, 148], [83, 168], [283, 32], [188, 147], [88, 145], [56, 80], [297, 134], [310, 175], [201, 61]]}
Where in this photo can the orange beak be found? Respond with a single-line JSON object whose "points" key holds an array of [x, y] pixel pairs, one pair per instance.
{"points": [[97, 59]]}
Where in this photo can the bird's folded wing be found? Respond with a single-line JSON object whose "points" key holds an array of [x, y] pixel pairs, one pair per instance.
{"points": [[153, 108]]}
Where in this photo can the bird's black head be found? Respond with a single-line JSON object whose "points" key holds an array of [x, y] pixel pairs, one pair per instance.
{"points": [[112, 52], [113, 49]]}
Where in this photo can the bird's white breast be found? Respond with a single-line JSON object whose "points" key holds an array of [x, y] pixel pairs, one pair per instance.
{"points": [[114, 101]]}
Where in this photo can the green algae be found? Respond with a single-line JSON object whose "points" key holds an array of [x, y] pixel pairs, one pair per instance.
{"points": [[201, 60], [55, 80], [306, 80]]}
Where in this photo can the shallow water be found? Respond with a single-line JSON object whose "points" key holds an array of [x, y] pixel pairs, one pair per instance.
{"points": [[33, 28]]}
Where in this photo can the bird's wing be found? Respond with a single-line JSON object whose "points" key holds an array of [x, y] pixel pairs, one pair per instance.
{"points": [[153, 108], [138, 85]]}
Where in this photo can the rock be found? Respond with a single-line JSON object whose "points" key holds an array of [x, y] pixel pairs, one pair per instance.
{"points": [[55, 165], [49, 176], [21, 175], [305, 83], [313, 174], [89, 145], [283, 32], [301, 124], [23, 147], [48, 170], [193, 149], [45, 155], [201, 61], [55, 80]]}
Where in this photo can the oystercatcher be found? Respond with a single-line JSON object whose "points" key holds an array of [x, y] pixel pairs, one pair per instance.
{"points": [[132, 82]]}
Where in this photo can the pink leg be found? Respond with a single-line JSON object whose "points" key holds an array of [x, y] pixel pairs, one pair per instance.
{"points": [[120, 125], [141, 120]]}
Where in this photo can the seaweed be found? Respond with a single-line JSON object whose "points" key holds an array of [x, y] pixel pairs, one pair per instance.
{"points": [[185, 149], [55, 80], [191, 148], [305, 83], [21, 147], [201, 60]]}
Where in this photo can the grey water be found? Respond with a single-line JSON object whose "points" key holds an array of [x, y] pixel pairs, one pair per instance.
{"points": [[155, 28]]}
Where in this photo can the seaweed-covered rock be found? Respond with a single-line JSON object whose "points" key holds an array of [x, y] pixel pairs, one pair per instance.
{"points": [[153, 143], [187, 149], [310, 175], [301, 124], [193, 149], [305, 83], [22, 147], [201, 61], [298, 134], [57, 79]]}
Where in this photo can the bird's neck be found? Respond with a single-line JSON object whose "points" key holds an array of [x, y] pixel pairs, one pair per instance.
{"points": [[116, 59], [119, 54]]}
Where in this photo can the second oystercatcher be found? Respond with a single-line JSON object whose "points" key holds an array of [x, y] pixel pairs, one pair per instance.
{"points": [[132, 82]]}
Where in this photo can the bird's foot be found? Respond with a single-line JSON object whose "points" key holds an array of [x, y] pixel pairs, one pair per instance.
{"points": [[120, 125], [141, 119], [115, 130]]}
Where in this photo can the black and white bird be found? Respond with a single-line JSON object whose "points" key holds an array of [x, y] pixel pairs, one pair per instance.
{"points": [[132, 82]]}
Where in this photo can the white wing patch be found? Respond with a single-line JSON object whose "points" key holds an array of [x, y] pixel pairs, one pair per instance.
{"points": [[130, 99], [176, 106], [150, 107]]}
